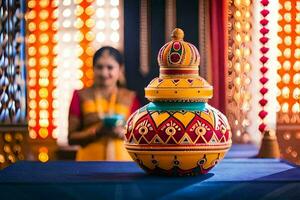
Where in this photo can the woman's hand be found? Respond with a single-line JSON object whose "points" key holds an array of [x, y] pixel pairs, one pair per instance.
{"points": [[114, 132], [119, 131], [95, 129], [85, 136]]}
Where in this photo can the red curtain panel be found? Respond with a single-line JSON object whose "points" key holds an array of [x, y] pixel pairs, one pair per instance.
{"points": [[219, 52]]}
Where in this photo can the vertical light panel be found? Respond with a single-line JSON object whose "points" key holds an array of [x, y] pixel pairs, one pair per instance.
{"points": [[84, 11], [239, 68], [108, 29], [288, 123], [42, 51], [69, 73], [84, 27]]}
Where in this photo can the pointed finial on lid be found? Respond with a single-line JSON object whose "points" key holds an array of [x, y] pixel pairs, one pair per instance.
{"points": [[177, 34], [179, 78]]}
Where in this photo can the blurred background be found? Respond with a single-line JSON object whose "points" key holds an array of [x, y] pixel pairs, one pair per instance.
{"points": [[47, 48]]}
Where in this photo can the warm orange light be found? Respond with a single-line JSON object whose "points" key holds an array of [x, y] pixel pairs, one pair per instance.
{"points": [[44, 61], [43, 93], [43, 132], [32, 94], [44, 14], [43, 104], [32, 114], [32, 104], [44, 50], [44, 3], [90, 36], [90, 10], [44, 73], [43, 26], [90, 51], [31, 38], [44, 123], [90, 23], [79, 10], [31, 4], [32, 134], [43, 157], [32, 26], [32, 123]]}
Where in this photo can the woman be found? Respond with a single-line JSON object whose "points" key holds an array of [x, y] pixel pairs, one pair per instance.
{"points": [[90, 107]]}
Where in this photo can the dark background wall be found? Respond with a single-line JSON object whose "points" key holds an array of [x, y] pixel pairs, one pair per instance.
{"points": [[187, 19]]}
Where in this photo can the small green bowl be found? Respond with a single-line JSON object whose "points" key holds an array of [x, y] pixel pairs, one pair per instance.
{"points": [[113, 120]]}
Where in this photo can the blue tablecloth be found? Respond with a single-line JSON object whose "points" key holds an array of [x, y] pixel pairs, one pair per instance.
{"points": [[242, 151], [230, 179]]}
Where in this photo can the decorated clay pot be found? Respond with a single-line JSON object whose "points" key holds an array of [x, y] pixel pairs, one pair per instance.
{"points": [[178, 132]]}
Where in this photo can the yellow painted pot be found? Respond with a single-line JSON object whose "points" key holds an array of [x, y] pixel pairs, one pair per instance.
{"points": [[178, 133]]}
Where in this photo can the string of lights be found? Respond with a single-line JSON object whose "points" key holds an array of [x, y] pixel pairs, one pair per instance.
{"points": [[239, 68]]}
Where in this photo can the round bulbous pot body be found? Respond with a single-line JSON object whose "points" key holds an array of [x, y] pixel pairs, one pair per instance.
{"points": [[177, 138]]}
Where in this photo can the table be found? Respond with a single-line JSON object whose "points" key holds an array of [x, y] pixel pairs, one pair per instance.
{"points": [[242, 151], [230, 179]]}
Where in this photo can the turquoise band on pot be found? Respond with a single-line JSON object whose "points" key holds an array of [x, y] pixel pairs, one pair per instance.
{"points": [[165, 106]]}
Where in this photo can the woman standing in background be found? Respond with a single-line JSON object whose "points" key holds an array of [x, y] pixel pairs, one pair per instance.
{"points": [[96, 112]]}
